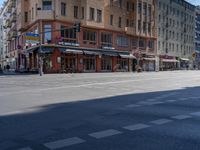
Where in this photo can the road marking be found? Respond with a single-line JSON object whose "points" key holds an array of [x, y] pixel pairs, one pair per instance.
{"points": [[195, 113], [195, 97], [161, 121], [64, 143], [155, 103], [105, 133], [171, 100], [151, 100], [181, 117], [136, 127], [132, 105], [183, 99], [25, 148]]}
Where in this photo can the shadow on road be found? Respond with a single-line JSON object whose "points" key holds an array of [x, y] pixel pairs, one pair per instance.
{"points": [[65, 120]]}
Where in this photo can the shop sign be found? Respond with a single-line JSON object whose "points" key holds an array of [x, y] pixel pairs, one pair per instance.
{"points": [[69, 44], [32, 38], [110, 48]]}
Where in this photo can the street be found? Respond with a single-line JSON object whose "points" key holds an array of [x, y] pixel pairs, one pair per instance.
{"points": [[101, 111]]}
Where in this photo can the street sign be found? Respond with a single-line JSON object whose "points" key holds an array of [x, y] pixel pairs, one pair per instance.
{"points": [[32, 38]]}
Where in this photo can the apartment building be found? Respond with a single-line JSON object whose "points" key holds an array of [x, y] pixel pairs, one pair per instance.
{"points": [[3, 35], [114, 35], [197, 36], [176, 23]]}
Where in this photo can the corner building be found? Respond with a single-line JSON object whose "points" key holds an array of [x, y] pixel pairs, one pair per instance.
{"points": [[115, 35], [176, 22]]}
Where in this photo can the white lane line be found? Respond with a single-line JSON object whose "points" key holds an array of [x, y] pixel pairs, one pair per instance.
{"points": [[132, 105], [105, 133], [25, 148], [171, 101], [195, 97], [155, 103], [181, 117], [136, 127], [195, 113], [183, 99], [64, 143], [151, 100], [161, 121]]}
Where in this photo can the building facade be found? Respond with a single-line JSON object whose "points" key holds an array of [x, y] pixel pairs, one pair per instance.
{"points": [[114, 35], [176, 24], [3, 35], [197, 37]]}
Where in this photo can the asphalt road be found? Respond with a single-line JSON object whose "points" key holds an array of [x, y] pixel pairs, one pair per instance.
{"points": [[106, 111]]}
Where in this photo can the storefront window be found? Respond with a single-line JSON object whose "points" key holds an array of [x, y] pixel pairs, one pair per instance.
{"points": [[123, 64], [89, 64], [47, 34], [106, 64]]}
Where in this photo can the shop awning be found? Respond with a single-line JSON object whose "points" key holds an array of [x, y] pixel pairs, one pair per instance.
{"points": [[87, 52], [152, 59], [46, 49], [74, 51], [32, 49], [169, 60], [185, 59], [109, 53], [130, 56]]}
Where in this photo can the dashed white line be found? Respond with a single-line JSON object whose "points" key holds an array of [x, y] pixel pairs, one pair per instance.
{"points": [[105, 133], [132, 105], [183, 99], [181, 117], [171, 100], [195, 113], [25, 148], [161, 121], [64, 143], [136, 127]]}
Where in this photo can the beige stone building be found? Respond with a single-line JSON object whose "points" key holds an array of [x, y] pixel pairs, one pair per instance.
{"points": [[114, 35]]}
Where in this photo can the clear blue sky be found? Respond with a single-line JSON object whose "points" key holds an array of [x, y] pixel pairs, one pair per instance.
{"points": [[195, 2]]}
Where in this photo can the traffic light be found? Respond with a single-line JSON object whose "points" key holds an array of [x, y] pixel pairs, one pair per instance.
{"points": [[77, 27]]}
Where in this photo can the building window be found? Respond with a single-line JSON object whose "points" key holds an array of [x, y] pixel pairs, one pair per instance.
{"points": [[120, 22], [26, 16], [120, 3], [47, 5], [32, 13], [83, 13], [89, 36], [149, 28], [106, 40], [139, 25], [99, 15], [145, 9], [91, 13], [111, 2], [122, 41], [47, 33], [151, 44], [123, 64], [127, 6], [127, 23], [111, 19], [63, 9], [142, 43], [75, 11], [144, 27], [139, 7], [68, 35], [134, 42]]}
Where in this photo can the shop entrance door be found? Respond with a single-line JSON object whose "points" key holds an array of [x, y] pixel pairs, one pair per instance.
{"points": [[70, 64]]}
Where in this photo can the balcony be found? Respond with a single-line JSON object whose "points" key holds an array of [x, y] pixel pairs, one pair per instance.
{"points": [[9, 9], [9, 38], [8, 23], [14, 34], [13, 17], [130, 30]]}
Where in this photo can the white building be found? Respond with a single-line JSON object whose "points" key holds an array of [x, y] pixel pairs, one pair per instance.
{"points": [[176, 24]]}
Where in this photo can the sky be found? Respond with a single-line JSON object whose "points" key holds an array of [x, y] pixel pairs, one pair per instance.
{"points": [[195, 2]]}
